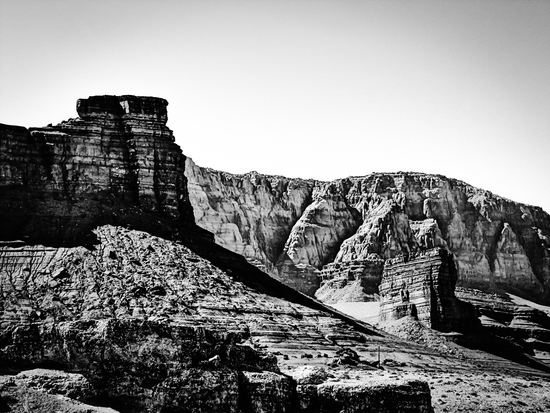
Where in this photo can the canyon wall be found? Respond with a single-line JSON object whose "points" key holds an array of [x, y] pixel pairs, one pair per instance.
{"points": [[252, 215], [498, 244], [110, 294]]}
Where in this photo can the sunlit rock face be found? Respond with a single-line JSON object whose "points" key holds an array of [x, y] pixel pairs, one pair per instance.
{"points": [[316, 237], [497, 244], [250, 214], [115, 162]]}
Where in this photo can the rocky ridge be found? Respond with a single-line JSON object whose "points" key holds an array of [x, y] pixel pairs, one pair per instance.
{"points": [[498, 245]]}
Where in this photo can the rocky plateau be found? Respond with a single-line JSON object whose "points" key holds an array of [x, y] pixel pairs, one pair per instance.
{"points": [[132, 280]]}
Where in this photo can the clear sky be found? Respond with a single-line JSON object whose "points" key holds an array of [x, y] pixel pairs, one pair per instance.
{"points": [[303, 88]]}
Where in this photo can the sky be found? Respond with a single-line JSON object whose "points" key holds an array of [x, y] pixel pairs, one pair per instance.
{"points": [[305, 88]]}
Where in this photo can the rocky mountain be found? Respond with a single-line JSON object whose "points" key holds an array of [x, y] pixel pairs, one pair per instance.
{"points": [[105, 298], [113, 299], [335, 235]]}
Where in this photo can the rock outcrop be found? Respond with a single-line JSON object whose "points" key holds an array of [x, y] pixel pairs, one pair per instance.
{"points": [[47, 390], [423, 286], [351, 281], [498, 245], [116, 163], [514, 319]]}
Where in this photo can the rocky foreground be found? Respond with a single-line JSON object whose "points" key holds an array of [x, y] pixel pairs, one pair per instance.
{"points": [[112, 299], [140, 323]]}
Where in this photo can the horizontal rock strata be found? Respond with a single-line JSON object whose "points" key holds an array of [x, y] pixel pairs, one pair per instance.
{"points": [[351, 281], [528, 327], [422, 285], [117, 161], [110, 290]]}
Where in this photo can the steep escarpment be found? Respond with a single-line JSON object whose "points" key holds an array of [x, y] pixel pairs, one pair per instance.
{"points": [[116, 163], [111, 297], [498, 244]]}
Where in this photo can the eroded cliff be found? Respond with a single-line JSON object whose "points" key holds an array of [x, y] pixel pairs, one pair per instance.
{"points": [[498, 244], [252, 215], [422, 285]]}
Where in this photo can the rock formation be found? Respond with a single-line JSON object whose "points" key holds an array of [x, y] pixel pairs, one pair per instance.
{"points": [[514, 319], [95, 280], [116, 163], [112, 299], [252, 215], [350, 281], [423, 285], [498, 245]]}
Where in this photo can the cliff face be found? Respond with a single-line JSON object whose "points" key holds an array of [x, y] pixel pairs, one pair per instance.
{"points": [[110, 294], [114, 163], [423, 286], [498, 245], [252, 215]]}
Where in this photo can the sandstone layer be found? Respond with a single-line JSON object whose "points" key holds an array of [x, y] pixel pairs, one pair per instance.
{"points": [[498, 244], [422, 285], [116, 163]]}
